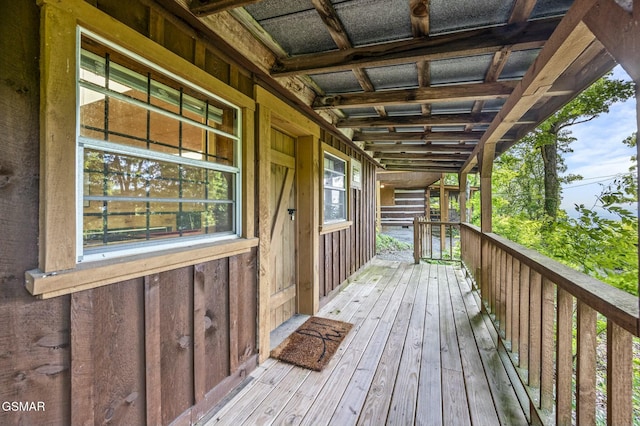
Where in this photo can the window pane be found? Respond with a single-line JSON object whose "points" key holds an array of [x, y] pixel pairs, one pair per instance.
{"points": [[335, 185], [143, 195], [334, 205], [170, 200]]}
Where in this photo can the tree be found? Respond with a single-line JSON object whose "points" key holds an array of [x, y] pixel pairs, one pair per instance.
{"points": [[553, 137]]}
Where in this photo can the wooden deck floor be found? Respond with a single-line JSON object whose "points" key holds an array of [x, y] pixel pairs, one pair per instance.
{"points": [[420, 353]]}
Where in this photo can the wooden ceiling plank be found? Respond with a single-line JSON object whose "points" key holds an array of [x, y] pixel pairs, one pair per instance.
{"points": [[525, 36], [452, 93], [566, 44], [209, 7]]}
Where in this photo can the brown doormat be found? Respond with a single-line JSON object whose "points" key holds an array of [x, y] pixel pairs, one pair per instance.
{"points": [[313, 344]]}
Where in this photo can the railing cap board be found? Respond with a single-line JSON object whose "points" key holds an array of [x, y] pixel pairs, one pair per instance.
{"points": [[615, 304]]}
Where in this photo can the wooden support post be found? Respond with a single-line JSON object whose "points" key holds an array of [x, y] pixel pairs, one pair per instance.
{"points": [[462, 186], [308, 206], [546, 345], [264, 231], [444, 214]]}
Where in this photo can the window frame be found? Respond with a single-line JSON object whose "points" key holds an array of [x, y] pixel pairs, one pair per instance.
{"points": [[82, 142], [58, 272], [335, 225]]}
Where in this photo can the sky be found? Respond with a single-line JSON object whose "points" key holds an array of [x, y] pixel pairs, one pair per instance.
{"points": [[599, 154]]}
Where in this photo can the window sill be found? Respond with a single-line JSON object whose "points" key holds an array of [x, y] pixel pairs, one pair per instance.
{"points": [[333, 227], [96, 274]]}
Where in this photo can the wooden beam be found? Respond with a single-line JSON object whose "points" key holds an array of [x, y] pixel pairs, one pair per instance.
{"points": [[567, 43], [417, 157], [209, 7], [423, 148], [521, 10], [419, 17], [452, 93], [417, 136], [433, 120], [619, 31], [526, 36]]}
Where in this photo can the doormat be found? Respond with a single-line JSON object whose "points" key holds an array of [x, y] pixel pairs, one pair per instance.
{"points": [[313, 344]]}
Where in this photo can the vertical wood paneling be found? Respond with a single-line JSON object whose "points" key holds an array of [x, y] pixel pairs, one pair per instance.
{"points": [[216, 321], [234, 309], [247, 307], [199, 350], [176, 344], [82, 363], [119, 348], [152, 348]]}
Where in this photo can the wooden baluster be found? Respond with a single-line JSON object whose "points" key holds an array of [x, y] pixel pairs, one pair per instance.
{"points": [[502, 304], [508, 301], [515, 306], [535, 322], [523, 353], [564, 360], [547, 349], [619, 375], [586, 369]]}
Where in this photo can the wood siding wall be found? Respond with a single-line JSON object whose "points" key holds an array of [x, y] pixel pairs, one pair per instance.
{"points": [[145, 351], [343, 252]]}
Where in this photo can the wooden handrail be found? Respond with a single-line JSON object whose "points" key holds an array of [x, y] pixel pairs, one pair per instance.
{"points": [[610, 301], [535, 304]]}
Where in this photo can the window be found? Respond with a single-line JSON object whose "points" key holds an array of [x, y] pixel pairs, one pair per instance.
{"points": [[335, 189], [159, 156]]}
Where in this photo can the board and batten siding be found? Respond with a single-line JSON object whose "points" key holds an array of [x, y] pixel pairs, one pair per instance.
{"points": [[148, 350], [345, 251]]}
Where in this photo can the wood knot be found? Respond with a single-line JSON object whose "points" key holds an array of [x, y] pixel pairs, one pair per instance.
{"points": [[50, 369], [184, 342], [208, 322], [420, 10], [131, 398]]}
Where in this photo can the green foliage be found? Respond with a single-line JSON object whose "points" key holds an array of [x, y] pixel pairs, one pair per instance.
{"points": [[386, 243]]}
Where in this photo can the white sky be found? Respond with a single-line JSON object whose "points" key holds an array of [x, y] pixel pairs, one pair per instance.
{"points": [[599, 154]]}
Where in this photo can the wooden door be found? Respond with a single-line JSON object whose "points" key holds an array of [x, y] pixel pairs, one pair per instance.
{"points": [[283, 228]]}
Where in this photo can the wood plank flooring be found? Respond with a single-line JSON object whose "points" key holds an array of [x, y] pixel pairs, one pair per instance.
{"points": [[420, 353]]}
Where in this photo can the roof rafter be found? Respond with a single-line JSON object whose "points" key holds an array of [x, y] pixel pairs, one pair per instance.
{"points": [[571, 38], [520, 36], [209, 7]]}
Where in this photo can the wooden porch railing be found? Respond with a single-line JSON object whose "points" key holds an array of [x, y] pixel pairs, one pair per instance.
{"points": [[532, 300], [435, 240]]}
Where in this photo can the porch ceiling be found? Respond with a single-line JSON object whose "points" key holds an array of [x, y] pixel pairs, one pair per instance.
{"points": [[422, 85]]}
